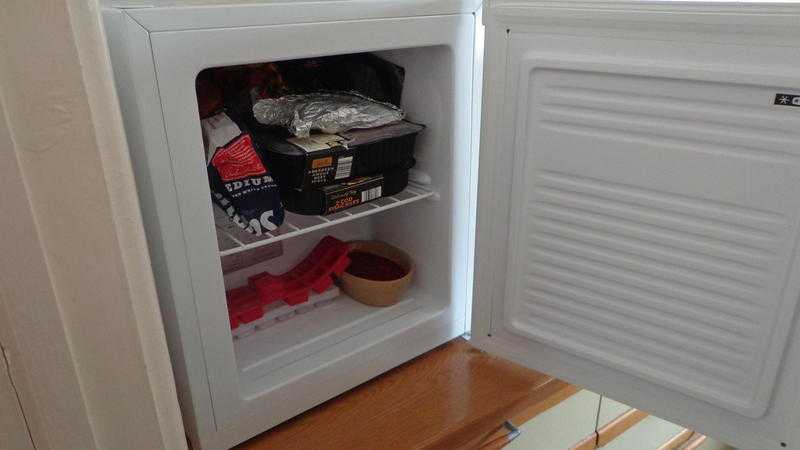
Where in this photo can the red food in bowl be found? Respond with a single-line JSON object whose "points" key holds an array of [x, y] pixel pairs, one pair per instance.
{"points": [[373, 267]]}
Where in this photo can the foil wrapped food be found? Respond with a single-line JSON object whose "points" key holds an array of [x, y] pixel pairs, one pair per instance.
{"points": [[328, 112]]}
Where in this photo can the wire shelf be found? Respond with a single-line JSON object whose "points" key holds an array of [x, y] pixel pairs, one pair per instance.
{"points": [[233, 240]]}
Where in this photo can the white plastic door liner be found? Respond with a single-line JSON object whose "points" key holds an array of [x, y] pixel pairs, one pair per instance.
{"points": [[656, 226], [652, 213]]}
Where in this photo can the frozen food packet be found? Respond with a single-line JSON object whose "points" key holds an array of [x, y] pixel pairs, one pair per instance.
{"points": [[328, 112], [239, 180]]}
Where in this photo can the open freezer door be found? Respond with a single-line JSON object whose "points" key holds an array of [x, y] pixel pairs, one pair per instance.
{"points": [[638, 206]]}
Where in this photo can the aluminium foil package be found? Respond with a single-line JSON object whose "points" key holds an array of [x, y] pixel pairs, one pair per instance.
{"points": [[327, 112]]}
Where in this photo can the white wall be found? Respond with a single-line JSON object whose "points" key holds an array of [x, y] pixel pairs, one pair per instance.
{"points": [[85, 332], [13, 430]]}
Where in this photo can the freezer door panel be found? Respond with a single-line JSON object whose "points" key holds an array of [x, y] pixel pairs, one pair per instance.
{"points": [[645, 190], [642, 197]]}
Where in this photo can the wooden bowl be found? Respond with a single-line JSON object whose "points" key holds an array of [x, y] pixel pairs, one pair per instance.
{"points": [[378, 293]]}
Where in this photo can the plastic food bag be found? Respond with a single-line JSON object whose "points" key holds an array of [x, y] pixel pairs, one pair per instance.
{"points": [[328, 112], [239, 180]]}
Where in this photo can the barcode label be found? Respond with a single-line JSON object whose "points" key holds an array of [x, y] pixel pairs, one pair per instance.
{"points": [[370, 194], [343, 167]]}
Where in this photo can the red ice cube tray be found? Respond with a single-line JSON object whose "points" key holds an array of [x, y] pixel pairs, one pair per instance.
{"points": [[244, 306], [314, 273], [328, 258]]}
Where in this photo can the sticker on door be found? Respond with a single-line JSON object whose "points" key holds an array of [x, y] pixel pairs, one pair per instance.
{"points": [[787, 99]]}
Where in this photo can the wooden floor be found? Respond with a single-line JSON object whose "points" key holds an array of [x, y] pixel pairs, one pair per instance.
{"points": [[454, 396]]}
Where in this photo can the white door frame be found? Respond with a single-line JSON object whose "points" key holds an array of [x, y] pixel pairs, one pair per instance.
{"points": [[79, 318]]}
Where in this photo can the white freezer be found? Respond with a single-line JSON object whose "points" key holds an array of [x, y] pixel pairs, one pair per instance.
{"points": [[637, 204]]}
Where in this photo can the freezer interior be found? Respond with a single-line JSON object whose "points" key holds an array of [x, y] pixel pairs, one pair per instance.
{"points": [[422, 220]]}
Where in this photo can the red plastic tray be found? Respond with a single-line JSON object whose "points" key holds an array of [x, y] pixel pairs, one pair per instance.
{"points": [[244, 306], [329, 257], [314, 273]]}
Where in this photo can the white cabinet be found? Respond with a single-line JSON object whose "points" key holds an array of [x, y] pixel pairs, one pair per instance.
{"points": [[231, 390], [637, 206]]}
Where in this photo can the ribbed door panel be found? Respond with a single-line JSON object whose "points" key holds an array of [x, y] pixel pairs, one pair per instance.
{"points": [[655, 225]]}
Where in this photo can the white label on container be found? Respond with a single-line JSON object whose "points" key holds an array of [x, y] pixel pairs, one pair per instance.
{"points": [[317, 142], [370, 194], [343, 167]]}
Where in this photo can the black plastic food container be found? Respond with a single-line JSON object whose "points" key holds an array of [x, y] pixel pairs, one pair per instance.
{"points": [[324, 159], [338, 197]]}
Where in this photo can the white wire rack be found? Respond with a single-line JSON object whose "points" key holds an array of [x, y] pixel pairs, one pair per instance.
{"points": [[233, 240]]}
